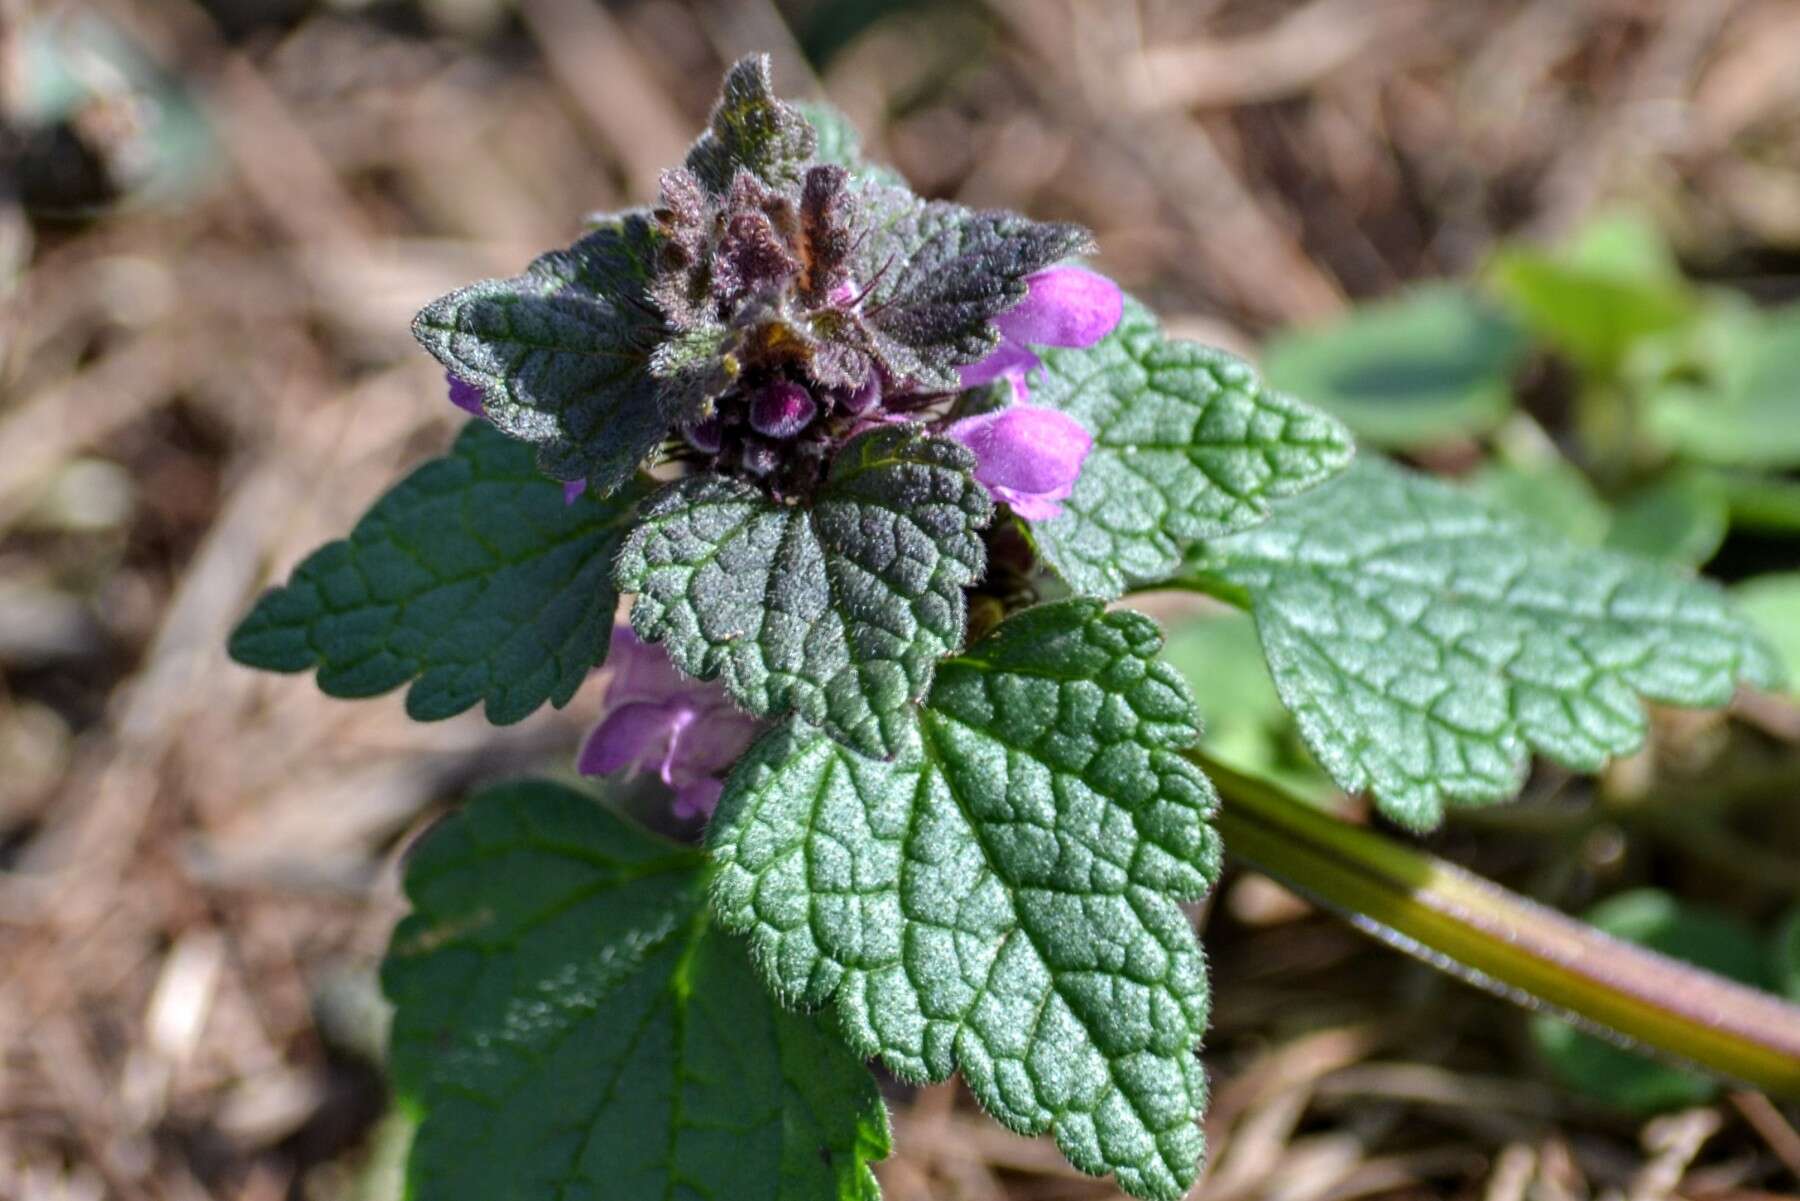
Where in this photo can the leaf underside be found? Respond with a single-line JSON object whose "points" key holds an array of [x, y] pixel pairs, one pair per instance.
{"points": [[1002, 893], [838, 611], [1426, 644], [1188, 444], [471, 578], [570, 1027], [561, 354]]}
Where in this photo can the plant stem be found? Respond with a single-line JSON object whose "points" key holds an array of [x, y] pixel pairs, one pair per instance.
{"points": [[1761, 502], [1526, 952]]}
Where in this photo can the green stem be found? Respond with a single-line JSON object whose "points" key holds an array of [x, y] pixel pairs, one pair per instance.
{"points": [[1524, 951], [1761, 502]]}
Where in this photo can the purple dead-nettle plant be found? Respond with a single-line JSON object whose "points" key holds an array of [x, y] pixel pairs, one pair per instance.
{"points": [[653, 717], [808, 423]]}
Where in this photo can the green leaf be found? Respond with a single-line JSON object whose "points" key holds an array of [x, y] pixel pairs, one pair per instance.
{"points": [[839, 609], [1681, 518], [1772, 603], [840, 145], [562, 353], [1426, 643], [751, 129], [570, 1026], [939, 273], [1744, 410], [471, 578], [1761, 504], [1549, 491], [1785, 955], [1242, 720], [1188, 444], [1001, 894], [1613, 286], [1654, 919], [1433, 364]]}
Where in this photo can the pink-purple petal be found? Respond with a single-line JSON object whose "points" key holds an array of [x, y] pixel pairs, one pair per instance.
{"points": [[1007, 359], [1064, 306], [630, 736], [1033, 508], [706, 435], [1028, 458], [466, 396], [655, 719], [641, 671], [863, 398], [697, 799], [714, 740], [782, 410]]}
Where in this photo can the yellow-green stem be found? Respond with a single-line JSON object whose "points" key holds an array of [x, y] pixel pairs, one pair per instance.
{"points": [[1475, 929]]}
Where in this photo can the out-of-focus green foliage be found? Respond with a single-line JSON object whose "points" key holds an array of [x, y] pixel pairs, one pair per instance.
{"points": [[1773, 603], [1535, 480], [76, 70], [1785, 957], [1243, 723], [1613, 285], [1741, 407], [1680, 517], [1433, 364], [1620, 404]]}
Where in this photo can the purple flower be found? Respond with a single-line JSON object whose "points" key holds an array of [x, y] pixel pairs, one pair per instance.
{"points": [[467, 397], [864, 398], [1063, 306], [782, 410], [706, 435], [1027, 457], [654, 718]]}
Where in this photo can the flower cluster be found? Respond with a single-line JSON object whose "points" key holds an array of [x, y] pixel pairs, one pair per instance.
{"points": [[776, 305], [1028, 458]]}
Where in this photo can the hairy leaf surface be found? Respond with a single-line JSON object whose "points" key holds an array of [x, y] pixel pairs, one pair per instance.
{"points": [[838, 610], [1188, 444], [939, 273], [561, 354], [569, 1026], [1002, 893], [1426, 644], [751, 129], [471, 578]]}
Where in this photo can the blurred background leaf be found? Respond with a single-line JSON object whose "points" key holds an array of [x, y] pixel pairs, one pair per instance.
{"points": [[1611, 285], [1242, 721], [1434, 363], [1745, 410], [1773, 603]]}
